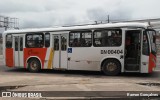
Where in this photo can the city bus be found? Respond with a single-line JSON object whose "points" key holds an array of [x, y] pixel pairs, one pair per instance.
{"points": [[112, 48]]}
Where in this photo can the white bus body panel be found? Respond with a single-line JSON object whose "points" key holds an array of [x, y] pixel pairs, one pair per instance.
{"points": [[84, 59], [91, 60], [144, 64]]}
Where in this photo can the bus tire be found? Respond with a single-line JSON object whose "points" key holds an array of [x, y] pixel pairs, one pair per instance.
{"points": [[111, 67], [34, 65]]}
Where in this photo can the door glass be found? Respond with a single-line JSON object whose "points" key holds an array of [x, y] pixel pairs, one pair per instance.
{"points": [[56, 43], [152, 35], [16, 43], [145, 49], [21, 43], [63, 43]]}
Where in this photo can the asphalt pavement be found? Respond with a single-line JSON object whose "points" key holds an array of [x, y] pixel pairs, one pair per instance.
{"points": [[18, 79]]}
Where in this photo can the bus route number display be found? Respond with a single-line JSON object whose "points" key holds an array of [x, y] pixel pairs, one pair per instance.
{"points": [[111, 51]]}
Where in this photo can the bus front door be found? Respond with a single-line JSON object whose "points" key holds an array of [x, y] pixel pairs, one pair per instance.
{"points": [[60, 51], [18, 50], [132, 50]]}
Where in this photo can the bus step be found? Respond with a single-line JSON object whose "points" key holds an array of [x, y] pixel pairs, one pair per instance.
{"points": [[132, 67]]}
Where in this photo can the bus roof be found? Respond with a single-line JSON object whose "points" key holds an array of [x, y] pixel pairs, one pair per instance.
{"points": [[70, 28]]}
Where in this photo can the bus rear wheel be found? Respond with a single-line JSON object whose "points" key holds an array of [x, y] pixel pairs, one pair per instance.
{"points": [[34, 65], [111, 67]]}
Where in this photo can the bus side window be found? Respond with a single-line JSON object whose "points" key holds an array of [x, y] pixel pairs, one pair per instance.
{"points": [[86, 40], [107, 38], [74, 39], [80, 39], [35, 40], [47, 39], [117, 38], [9, 41]]}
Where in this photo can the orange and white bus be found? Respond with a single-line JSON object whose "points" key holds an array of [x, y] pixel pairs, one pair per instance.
{"points": [[111, 48]]}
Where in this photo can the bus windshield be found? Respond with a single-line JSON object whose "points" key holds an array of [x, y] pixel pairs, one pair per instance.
{"points": [[152, 35]]}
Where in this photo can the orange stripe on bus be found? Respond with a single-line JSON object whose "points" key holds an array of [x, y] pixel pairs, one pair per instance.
{"points": [[50, 59]]}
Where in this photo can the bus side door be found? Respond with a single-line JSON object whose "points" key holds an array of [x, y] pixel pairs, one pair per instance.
{"points": [[18, 45], [59, 43]]}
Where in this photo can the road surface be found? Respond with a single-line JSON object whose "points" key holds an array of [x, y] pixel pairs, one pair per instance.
{"points": [[16, 79]]}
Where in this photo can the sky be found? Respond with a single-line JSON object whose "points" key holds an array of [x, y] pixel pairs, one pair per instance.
{"points": [[51, 13]]}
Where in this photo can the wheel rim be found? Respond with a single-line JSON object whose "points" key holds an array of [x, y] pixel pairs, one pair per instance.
{"points": [[111, 67], [34, 65]]}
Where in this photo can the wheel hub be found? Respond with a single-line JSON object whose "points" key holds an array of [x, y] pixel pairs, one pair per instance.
{"points": [[34, 65], [111, 67]]}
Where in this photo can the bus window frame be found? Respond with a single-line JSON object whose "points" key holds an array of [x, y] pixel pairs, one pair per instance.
{"points": [[81, 31], [35, 33], [97, 30]]}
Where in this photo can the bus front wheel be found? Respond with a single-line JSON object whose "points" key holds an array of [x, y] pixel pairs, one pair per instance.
{"points": [[34, 65], [111, 67]]}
